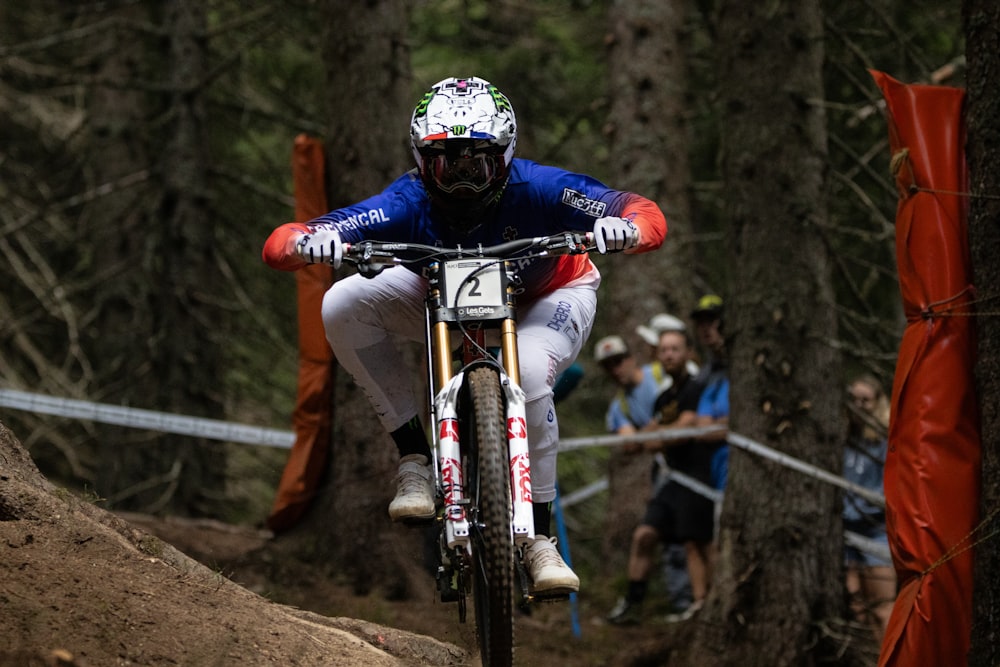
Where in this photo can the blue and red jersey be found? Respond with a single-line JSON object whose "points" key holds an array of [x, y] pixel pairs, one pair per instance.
{"points": [[537, 201]]}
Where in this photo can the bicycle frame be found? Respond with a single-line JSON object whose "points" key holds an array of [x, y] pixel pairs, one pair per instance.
{"points": [[481, 463], [446, 311]]}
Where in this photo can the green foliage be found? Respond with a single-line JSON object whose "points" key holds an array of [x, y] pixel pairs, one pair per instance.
{"points": [[270, 93], [910, 43]]}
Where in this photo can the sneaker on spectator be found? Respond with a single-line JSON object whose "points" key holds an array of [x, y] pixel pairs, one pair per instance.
{"points": [[693, 609], [624, 613], [414, 499], [549, 573]]}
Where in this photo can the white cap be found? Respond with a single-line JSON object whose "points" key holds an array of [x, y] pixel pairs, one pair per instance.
{"points": [[609, 346], [657, 325]]}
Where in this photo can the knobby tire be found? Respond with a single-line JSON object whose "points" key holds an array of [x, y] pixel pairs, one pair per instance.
{"points": [[492, 550]]}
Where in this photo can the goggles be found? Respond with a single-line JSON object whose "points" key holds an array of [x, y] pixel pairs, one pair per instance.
{"points": [[474, 171], [460, 165]]}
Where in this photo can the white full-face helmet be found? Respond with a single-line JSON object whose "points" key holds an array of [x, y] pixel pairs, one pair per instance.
{"points": [[463, 133]]}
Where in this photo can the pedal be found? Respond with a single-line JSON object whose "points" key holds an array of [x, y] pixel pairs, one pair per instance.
{"points": [[551, 596], [446, 584], [449, 594], [417, 522]]}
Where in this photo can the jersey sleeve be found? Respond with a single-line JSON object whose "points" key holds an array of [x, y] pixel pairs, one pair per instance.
{"points": [[279, 249], [582, 199], [389, 214], [648, 217]]}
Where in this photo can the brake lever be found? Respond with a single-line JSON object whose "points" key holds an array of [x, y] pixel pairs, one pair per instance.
{"points": [[574, 243]]}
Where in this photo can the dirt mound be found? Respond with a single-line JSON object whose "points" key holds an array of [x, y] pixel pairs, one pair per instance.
{"points": [[81, 586]]}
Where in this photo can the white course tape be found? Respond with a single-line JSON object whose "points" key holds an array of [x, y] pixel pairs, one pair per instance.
{"points": [[734, 439], [215, 429], [104, 413], [255, 435], [869, 546]]}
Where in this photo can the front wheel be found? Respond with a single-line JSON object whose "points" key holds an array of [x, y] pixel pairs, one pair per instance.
{"points": [[489, 485]]}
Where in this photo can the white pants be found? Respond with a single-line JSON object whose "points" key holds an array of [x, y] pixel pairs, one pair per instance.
{"points": [[365, 319]]}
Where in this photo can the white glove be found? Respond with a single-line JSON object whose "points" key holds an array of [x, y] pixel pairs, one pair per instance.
{"points": [[615, 235], [321, 247]]}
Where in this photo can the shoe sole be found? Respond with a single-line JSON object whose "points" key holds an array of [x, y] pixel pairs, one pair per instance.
{"points": [[414, 518], [683, 616], [555, 592]]}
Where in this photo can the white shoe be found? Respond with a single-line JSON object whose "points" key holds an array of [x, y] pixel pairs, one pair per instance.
{"points": [[414, 490], [693, 609], [549, 573]]}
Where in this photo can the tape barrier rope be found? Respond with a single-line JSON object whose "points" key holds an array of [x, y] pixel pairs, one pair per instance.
{"points": [[118, 415], [215, 429], [735, 440], [254, 435], [666, 473]]}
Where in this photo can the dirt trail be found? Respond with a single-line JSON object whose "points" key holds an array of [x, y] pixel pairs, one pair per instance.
{"points": [[81, 586]]}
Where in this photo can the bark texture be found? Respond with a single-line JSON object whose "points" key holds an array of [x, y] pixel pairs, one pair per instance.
{"points": [[649, 156], [982, 22], [369, 104], [779, 572]]}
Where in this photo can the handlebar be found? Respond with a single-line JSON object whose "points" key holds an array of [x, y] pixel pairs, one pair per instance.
{"points": [[374, 253]]}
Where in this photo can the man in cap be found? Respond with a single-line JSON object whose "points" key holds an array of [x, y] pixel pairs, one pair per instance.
{"points": [[658, 324], [651, 333], [632, 407], [630, 411], [674, 516], [707, 319], [712, 410]]}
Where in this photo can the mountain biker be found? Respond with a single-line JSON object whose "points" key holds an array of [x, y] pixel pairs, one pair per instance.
{"points": [[469, 189]]}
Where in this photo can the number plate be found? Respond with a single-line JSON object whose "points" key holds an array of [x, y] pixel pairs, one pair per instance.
{"points": [[474, 286]]}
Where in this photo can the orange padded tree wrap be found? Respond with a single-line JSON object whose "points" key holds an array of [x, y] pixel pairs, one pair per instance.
{"points": [[312, 415], [933, 466]]}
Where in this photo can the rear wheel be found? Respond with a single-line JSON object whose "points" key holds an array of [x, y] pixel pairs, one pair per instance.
{"points": [[492, 550]]}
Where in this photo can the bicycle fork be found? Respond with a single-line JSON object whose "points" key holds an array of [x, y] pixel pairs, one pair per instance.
{"points": [[451, 475]]}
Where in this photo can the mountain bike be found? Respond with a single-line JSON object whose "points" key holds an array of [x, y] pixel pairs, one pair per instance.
{"points": [[482, 470]]}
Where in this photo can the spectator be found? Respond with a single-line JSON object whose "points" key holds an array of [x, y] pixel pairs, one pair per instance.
{"points": [[658, 324], [675, 514], [871, 580], [650, 333], [713, 408], [630, 411], [632, 407]]}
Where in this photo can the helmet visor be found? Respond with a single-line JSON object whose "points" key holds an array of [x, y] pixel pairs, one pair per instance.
{"points": [[464, 172]]}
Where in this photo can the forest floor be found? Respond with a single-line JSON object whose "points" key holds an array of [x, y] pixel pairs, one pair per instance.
{"points": [[547, 636], [82, 587]]}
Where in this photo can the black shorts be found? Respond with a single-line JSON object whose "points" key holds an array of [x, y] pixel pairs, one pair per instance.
{"points": [[681, 515]]}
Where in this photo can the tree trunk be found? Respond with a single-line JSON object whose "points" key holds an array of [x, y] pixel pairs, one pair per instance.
{"points": [[116, 112], [982, 22], [649, 148], [369, 103], [188, 376], [163, 301], [779, 577], [649, 155]]}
